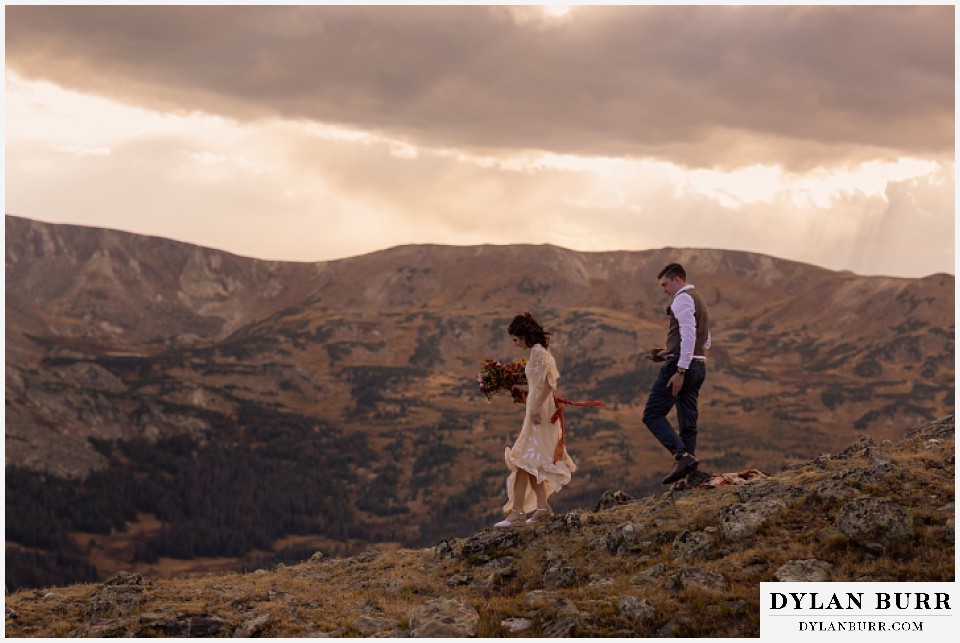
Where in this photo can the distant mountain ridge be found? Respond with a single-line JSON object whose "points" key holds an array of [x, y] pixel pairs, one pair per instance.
{"points": [[113, 337]]}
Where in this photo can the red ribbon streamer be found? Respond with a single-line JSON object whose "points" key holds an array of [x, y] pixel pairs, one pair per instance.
{"points": [[558, 415]]}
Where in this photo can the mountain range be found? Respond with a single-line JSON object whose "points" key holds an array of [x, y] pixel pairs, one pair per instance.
{"points": [[154, 388]]}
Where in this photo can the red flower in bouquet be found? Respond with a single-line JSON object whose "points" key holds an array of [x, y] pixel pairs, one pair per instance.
{"points": [[495, 377]]}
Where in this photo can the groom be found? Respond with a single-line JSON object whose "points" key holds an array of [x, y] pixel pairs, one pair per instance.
{"points": [[680, 378]]}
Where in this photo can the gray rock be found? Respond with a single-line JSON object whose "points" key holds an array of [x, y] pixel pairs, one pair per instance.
{"points": [[649, 575], [10, 613], [444, 549], [804, 571], [626, 538], [692, 544], [668, 631], [253, 627], [694, 577], [444, 617], [834, 489], [119, 596], [743, 519], [769, 488], [560, 628], [875, 522], [559, 574], [370, 625], [462, 578], [490, 544], [52, 596], [180, 626], [637, 610], [562, 606], [611, 499], [569, 521], [317, 557], [601, 583], [516, 625]]}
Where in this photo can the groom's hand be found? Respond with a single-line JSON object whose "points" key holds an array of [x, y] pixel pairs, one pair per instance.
{"points": [[676, 383]]}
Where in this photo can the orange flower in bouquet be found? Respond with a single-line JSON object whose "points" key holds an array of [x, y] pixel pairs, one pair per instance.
{"points": [[495, 377]]}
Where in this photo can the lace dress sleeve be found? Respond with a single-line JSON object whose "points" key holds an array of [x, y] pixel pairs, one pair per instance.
{"points": [[543, 369]]}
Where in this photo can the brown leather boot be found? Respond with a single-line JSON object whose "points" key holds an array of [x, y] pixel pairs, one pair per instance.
{"points": [[684, 466]]}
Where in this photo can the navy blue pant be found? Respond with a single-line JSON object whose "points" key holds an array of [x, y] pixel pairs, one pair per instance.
{"points": [[661, 400]]}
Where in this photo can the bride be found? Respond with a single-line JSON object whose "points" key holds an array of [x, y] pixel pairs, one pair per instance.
{"points": [[538, 461]]}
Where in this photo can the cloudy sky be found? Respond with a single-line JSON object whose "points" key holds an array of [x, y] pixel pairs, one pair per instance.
{"points": [[823, 134]]}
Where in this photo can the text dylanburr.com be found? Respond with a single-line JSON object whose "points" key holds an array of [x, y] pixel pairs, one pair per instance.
{"points": [[909, 611]]}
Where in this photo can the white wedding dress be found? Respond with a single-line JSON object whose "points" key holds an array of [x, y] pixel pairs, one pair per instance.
{"points": [[534, 448]]}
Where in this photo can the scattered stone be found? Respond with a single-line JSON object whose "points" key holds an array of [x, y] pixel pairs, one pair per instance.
{"points": [[601, 583], [561, 628], [443, 617], [562, 606], [52, 596], [253, 628], [365, 557], [317, 557], [370, 625], [180, 626], [462, 578], [768, 488], [558, 575], [611, 499], [119, 596], [743, 519], [10, 613], [568, 521], [692, 544], [804, 571], [516, 625], [668, 631], [649, 575], [687, 577], [490, 544], [875, 522], [626, 538], [444, 550], [834, 489], [637, 610]]}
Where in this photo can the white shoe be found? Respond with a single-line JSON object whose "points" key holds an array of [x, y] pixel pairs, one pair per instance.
{"points": [[540, 515], [513, 519]]}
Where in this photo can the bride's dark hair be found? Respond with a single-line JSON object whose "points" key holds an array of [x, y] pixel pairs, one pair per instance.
{"points": [[529, 330]]}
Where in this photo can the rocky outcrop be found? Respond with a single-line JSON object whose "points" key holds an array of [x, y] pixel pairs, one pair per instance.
{"points": [[876, 523]]}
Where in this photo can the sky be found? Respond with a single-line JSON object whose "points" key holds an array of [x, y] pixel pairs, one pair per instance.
{"points": [[822, 134]]}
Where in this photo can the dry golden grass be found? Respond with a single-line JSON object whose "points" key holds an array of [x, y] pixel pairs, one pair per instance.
{"points": [[330, 595]]}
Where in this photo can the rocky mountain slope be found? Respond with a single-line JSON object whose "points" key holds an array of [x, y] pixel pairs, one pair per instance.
{"points": [[685, 562], [340, 396]]}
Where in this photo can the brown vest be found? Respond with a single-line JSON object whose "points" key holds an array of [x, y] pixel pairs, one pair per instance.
{"points": [[702, 317]]}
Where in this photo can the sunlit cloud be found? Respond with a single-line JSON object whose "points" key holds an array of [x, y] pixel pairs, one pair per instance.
{"points": [[506, 143]]}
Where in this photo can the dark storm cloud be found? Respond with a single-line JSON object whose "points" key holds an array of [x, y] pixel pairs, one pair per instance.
{"points": [[696, 85]]}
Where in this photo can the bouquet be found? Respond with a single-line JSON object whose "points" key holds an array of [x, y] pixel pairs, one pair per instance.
{"points": [[495, 377]]}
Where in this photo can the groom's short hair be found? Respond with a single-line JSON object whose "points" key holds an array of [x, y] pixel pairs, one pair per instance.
{"points": [[673, 270]]}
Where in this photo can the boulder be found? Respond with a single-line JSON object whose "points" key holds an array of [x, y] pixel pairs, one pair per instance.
{"points": [[490, 544], [692, 544], [444, 617], [611, 499], [804, 571], [636, 610], [119, 596], [743, 519], [559, 574], [516, 625], [875, 523], [371, 625]]}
